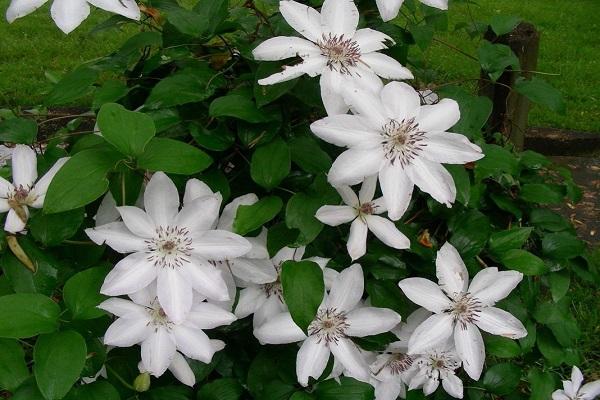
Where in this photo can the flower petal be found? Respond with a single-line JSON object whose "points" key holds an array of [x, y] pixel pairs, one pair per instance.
{"points": [[499, 322], [137, 221], [370, 40], [490, 286], [174, 293], [200, 214], [209, 316], [14, 223], [397, 190], [432, 178], [345, 130], [281, 47], [346, 352], [121, 307], [207, 279], [366, 321], [385, 66], [21, 8], [389, 8], [439, 117], [193, 343], [288, 253], [425, 293], [271, 307], [453, 386], [250, 299], [161, 199], [401, 101], [130, 275], [347, 289], [331, 84], [367, 190], [441, 4], [311, 359], [279, 329], [311, 66], [195, 188], [354, 165], [24, 166], [367, 104], [117, 236], [305, 20], [386, 231], [255, 271], [126, 8], [340, 17], [433, 332], [590, 391], [335, 215], [357, 239], [450, 148], [69, 14], [41, 186], [576, 378], [219, 245], [470, 349], [126, 332], [230, 210], [182, 371], [451, 271], [158, 351]]}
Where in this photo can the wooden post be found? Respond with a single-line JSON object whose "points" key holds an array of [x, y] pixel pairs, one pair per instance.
{"points": [[510, 109]]}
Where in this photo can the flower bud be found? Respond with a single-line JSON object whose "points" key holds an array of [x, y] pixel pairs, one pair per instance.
{"points": [[142, 382]]}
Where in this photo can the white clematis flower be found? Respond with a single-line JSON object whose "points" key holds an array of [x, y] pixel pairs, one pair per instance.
{"points": [[266, 300], [389, 8], [180, 368], [69, 14], [362, 210], [333, 48], [24, 192], [405, 143], [170, 246], [437, 365], [572, 390], [144, 321], [460, 309], [339, 317]]}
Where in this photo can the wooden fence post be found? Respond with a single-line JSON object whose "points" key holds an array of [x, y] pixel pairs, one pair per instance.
{"points": [[510, 109]]}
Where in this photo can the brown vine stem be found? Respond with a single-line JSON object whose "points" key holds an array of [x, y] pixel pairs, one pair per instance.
{"points": [[456, 49]]}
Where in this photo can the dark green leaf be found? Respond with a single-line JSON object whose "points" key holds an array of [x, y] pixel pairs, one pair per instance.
{"points": [[18, 130], [128, 131], [501, 379], [265, 94], [13, 370], [553, 352], [302, 396], [53, 229], [559, 284], [303, 289], [213, 13], [462, 183], [502, 347], [221, 389], [237, 106], [272, 373], [72, 86], [541, 92], [186, 21], [474, 110], [100, 390], [252, 217], [542, 384], [308, 155], [523, 261], [159, 157], [110, 92], [387, 294], [270, 163], [548, 220], [531, 160], [470, 232], [502, 24], [495, 58], [347, 389], [300, 214], [169, 393], [217, 139], [542, 193], [510, 239], [562, 245], [82, 293], [28, 391], [497, 161], [24, 315], [81, 180]]}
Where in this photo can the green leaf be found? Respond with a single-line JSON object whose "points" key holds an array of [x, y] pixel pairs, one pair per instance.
{"points": [[542, 193], [18, 130], [58, 361], [553, 352], [562, 245], [27, 391], [559, 284], [523, 261], [237, 106], [300, 214], [128, 131], [308, 155], [186, 21], [502, 347], [502, 379], [265, 94], [495, 58], [82, 293], [169, 393], [548, 220], [221, 389], [72, 86], [302, 396], [159, 157], [462, 183], [272, 373], [541, 383], [252, 217], [387, 294], [497, 161], [110, 92], [218, 139], [53, 229], [99, 390], [474, 110], [531, 160], [213, 13], [541, 92], [347, 389], [81, 180], [502, 24], [303, 289], [24, 315], [510, 239], [270, 163], [470, 232], [13, 370]]}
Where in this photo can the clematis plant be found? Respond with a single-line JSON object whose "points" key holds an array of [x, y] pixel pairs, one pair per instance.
{"points": [[389, 8], [574, 390]]}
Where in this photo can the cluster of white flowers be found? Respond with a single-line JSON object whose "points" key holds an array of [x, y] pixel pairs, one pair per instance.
{"points": [[573, 390]]}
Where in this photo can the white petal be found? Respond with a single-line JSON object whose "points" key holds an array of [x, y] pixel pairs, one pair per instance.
{"points": [[450, 148], [137, 221], [576, 378], [311, 66], [279, 329], [121, 307], [281, 47], [259, 246], [311, 360], [401, 101], [231, 289], [69, 14], [430, 386], [182, 371], [425, 293], [209, 316], [24, 166], [590, 391], [107, 211], [370, 40], [5, 188], [161, 199], [441, 4], [219, 245], [200, 214], [389, 8], [346, 352], [499, 322], [288, 253], [439, 117], [130, 275], [174, 293], [126, 332], [347, 289], [397, 190], [207, 279], [385, 66], [340, 17], [367, 104], [21, 8], [367, 190], [366, 321], [345, 130], [14, 223], [193, 343], [432, 178], [271, 307], [250, 299], [41, 186], [195, 188], [451, 271], [335, 215], [126, 8], [348, 196], [388, 390], [386, 231], [255, 271], [453, 386], [305, 20], [158, 351], [230, 210], [331, 84], [490, 286], [117, 236], [433, 332], [354, 165], [469, 347]]}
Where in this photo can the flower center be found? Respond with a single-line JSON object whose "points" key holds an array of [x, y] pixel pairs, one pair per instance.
{"points": [[341, 53], [438, 360], [329, 325], [171, 247], [19, 197], [402, 140], [399, 363], [158, 316], [465, 309], [274, 288]]}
